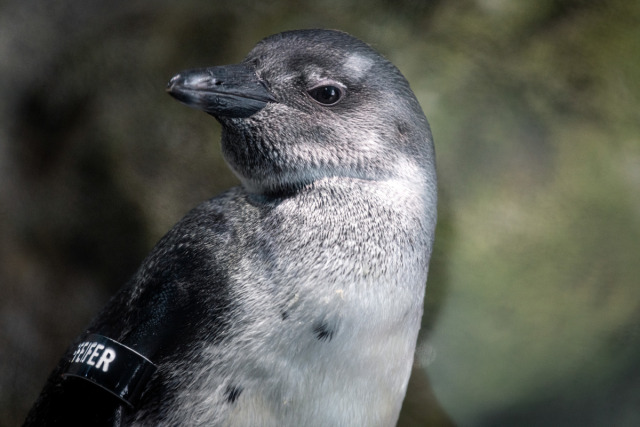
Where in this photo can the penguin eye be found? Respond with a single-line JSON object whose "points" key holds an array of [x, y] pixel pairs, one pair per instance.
{"points": [[326, 95]]}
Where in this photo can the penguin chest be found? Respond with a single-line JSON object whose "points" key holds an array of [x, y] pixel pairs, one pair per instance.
{"points": [[346, 365]]}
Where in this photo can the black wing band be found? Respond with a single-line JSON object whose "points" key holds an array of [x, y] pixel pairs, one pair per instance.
{"points": [[111, 366]]}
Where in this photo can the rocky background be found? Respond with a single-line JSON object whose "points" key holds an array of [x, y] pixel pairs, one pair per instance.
{"points": [[533, 303]]}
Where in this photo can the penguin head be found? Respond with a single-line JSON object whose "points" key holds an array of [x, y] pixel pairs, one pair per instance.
{"points": [[312, 104]]}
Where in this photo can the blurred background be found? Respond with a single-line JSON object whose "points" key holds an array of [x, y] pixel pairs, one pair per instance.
{"points": [[533, 302]]}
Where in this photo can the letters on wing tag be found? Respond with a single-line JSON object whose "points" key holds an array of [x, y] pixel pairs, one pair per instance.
{"points": [[112, 366]]}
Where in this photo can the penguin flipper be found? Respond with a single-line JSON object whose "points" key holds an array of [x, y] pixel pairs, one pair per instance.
{"points": [[178, 297]]}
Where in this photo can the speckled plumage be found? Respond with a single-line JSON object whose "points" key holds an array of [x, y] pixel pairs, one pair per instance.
{"points": [[295, 299]]}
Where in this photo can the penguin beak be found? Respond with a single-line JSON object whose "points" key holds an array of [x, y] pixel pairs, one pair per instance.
{"points": [[225, 91]]}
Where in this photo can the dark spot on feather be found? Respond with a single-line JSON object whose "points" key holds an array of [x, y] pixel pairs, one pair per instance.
{"points": [[402, 127], [323, 332], [232, 393]]}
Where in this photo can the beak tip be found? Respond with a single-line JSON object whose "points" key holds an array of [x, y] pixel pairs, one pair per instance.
{"points": [[172, 83]]}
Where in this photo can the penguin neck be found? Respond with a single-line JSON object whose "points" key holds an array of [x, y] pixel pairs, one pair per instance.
{"points": [[285, 189], [396, 193], [337, 200]]}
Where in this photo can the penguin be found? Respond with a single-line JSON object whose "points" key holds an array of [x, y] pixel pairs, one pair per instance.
{"points": [[294, 299]]}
